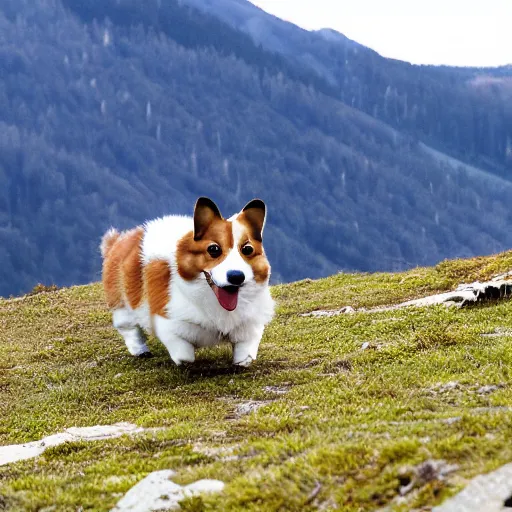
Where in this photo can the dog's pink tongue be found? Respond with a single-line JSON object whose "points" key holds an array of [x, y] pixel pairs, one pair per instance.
{"points": [[226, 299]]}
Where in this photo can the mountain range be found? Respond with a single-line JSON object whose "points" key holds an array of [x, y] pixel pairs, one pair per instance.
{"points": [[116, 111]]}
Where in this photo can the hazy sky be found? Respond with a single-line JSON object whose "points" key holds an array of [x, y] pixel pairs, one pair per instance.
{"points": [[455, 32]]}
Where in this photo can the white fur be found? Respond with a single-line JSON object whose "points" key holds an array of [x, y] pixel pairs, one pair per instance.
{"points": [[111, 233], [194, 316], [125, 322], [162, 235]]}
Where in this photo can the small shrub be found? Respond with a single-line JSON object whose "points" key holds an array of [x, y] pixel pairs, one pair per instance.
{"points": [[42, 288]]}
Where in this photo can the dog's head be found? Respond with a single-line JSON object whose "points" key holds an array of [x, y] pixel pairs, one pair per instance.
{"points": [[227, 254]]}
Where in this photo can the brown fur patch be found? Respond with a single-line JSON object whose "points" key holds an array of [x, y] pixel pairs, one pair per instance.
{"points": [[260, 267], [132, 276], [157, 275], [257, 260], [123, 257], [192, 255]]}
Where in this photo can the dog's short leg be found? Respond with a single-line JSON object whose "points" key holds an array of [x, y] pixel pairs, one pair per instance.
{"points": [[180, 350], [246, 342], [132, 334]]}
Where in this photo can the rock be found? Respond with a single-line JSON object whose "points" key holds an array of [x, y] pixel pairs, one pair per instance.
{"points": [[498, 333], [276, 389], [501, 277], [451, 421], [449, 386], [485, 390], [314, 493], [214, 451], [464, 295], [489, 493], [439, 388], [467, 294], [16, 452], [158, 492], [244, 408], [418, 476], [327, 313], [99, 432]]}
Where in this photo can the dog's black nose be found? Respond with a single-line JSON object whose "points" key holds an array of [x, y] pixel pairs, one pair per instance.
{"points": [[235, 277]]}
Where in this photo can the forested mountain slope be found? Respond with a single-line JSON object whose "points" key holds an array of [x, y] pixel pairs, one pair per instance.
{"points": [[115, 111], [466, 111]]}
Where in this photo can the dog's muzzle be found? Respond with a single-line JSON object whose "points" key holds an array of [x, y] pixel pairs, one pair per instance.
{"points": [[226, 295]]}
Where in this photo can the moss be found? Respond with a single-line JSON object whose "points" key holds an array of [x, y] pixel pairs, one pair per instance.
{"points": [[346, 402]]}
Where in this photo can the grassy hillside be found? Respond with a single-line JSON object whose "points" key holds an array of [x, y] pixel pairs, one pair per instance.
{"points": [[344, 407]]}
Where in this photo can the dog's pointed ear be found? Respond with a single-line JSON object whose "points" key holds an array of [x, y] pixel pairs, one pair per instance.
{"points": [[255, 213], [205, 212]]}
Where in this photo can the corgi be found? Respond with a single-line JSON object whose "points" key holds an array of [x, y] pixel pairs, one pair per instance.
{"points": [[192, 281]]}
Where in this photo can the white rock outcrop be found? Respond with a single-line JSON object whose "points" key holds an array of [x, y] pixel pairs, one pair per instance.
{"points": [[16, 452], [489, 493], [158, 492], [464, 295]]}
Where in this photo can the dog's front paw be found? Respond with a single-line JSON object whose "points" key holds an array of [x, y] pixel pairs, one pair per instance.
{"points": [[244, 363], [181, 352], [183, 357], [183, 361]]}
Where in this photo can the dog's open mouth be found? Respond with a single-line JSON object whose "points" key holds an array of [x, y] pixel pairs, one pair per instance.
{"points": [[227, 295]]}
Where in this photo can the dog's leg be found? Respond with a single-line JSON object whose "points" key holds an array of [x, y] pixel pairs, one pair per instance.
{"points": [[132, 334], [246, 342], [180, 350]]}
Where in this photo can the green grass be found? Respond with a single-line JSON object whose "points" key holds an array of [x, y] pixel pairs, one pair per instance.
{"points": [[338, 427]]}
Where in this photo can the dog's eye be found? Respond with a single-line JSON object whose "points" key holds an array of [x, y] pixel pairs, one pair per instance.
{"points": [[214, 251], [247, 250]]}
